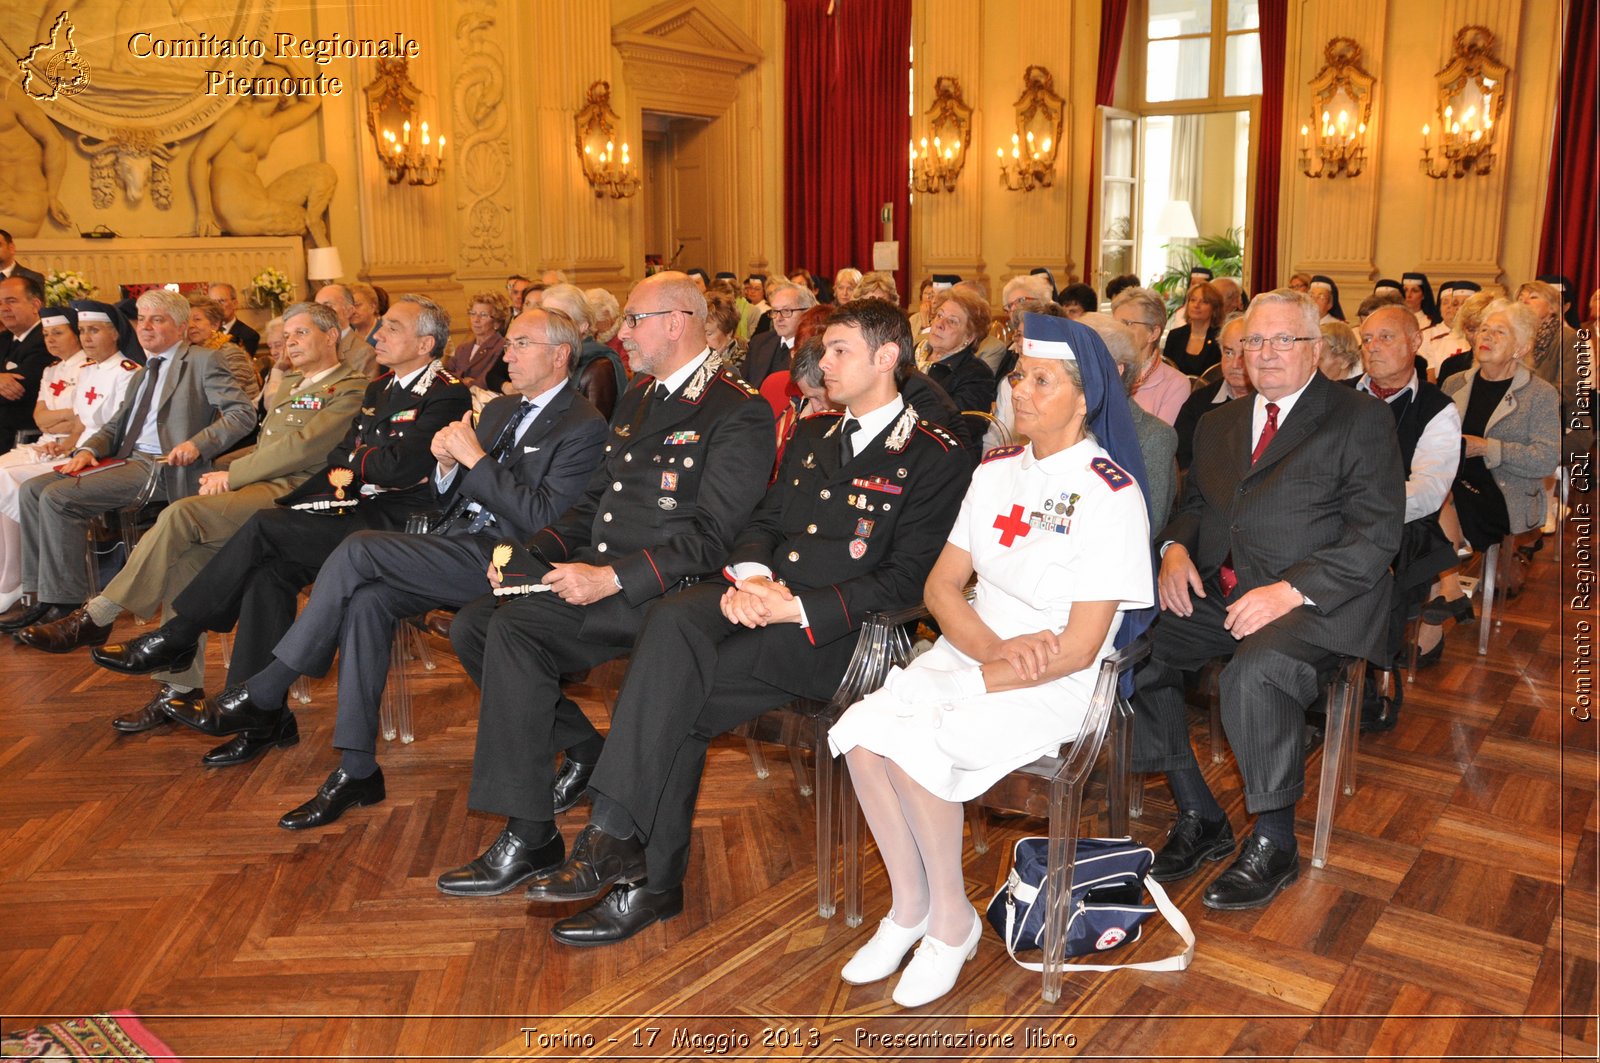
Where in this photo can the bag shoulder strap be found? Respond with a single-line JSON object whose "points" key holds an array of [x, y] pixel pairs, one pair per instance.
{"points": [[1177, 962]]}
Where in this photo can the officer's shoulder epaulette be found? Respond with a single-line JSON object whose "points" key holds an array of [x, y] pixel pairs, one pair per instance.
{"points": [[739, 383], [1111, 473], [940, 433], [130, 365], [1002, 452], [820, 414], [444, 376]]}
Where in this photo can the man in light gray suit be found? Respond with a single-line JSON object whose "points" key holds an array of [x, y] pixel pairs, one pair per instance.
{"points": [[1277, 557], [181, 410]]}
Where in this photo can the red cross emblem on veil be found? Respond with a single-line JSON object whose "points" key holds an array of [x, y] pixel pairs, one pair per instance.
{"points": [[1011, 527]]}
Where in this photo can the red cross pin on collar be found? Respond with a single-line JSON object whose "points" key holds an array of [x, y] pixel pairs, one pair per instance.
{"points": [[1011, 527]]}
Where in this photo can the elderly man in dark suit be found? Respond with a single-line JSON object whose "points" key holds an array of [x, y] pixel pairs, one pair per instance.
{"points": [[10, 267], [1277, 557], [376, 477], [773, 350], [183, 408], [687, 459], [23, 357], [227, 297], [852, 525]]}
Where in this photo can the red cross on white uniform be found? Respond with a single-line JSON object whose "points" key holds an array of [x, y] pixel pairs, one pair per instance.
{"points": [[57, 387], [1011, 527], [90, 395]]}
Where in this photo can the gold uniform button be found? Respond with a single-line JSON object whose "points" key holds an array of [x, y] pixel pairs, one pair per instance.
{"points": [[811, 529], [601, 548], [606, 517], [825, 494], [794, 555]]}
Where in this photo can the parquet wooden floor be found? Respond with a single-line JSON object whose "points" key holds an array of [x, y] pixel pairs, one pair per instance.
{"points": [[1457, 917]]}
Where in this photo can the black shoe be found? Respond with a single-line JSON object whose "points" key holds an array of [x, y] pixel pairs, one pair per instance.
{"points": [[154, 652], [625, 911], [1441, 609], [1431, 657], [337, 794], [571, 782], [1191, 841], [21, 615], [248, 745], [37, 614], [598, 860], [231, 712], [1260, 874], [150, 715], [72, 632], [506, 864]]}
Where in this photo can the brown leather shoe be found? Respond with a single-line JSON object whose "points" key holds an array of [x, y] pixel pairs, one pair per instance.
{"points": [[65, 635], [150, 716], [19, 612], [438, 621]]}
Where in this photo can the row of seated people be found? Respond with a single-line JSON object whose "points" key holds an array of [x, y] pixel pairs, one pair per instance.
{"points": [[1278, 553]]}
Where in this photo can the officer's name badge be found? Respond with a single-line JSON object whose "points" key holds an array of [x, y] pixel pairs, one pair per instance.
{"points": [[680, 438], [877, 483], [405, 415]]}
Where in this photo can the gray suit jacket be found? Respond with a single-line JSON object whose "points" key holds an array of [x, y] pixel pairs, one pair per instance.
{"points": [[1322, 509], [200, 402], [1524, 441], [551, 465], [764, 356]]}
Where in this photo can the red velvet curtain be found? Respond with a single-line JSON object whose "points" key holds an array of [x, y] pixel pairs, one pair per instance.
{"points": [[1113, 22], [845, 78], [1567, 244], [1269, 147]]}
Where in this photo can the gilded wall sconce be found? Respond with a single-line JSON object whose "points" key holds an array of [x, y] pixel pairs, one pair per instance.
{"points": [[609, 172], [405, 145], [935, 166], [1031, 162], [1341, 111], [1472, 102]]}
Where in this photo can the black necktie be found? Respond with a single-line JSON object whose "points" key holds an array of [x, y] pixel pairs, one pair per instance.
{"points": [[141, 409], [847, 449], [502, 450]]}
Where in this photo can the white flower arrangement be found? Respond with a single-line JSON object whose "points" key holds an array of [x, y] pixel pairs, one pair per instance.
{"points": [[63, 286], [271, 290]]}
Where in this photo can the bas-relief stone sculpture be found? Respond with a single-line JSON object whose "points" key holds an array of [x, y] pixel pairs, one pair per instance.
{"points": [[33, 157], [230, 196], [136, 160]]}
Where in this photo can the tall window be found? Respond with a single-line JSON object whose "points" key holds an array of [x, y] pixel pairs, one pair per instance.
{"points": [[1201, 50]]}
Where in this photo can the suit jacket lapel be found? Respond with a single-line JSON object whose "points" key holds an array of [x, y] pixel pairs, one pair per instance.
{"points": [[1297, 425], [176, 366], [548, 416]]}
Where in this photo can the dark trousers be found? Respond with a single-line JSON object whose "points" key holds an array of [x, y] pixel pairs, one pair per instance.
{"points": [[254, 581], [1268, 683], [369, 584], [516, 650], [689, 680]]}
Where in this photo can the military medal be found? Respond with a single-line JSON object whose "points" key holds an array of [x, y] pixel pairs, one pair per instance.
{"points": [[858, 549], [863, 528], [667, 502], [404, 415], [339, 479], [669, 481], [502, 554]]}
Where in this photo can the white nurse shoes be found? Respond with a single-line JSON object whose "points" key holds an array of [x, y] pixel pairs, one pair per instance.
{"points": [[933, 971], [881, 956]]}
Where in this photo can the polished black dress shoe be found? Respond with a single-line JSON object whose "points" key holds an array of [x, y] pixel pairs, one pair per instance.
{"points": [[571, 782], [506, 864], [598, 860], [1441, 609], [229, 713], [153, 652], [625, 911], [337, 794], [1429, 658], [1261, 872], [248, 745], [21, 615], [1191, 841], [37, 614], [73, 631], [150, 716]]}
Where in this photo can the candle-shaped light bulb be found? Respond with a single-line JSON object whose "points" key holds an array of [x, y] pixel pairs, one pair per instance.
{"points": [[924, 144], [1000, 153], [440, 152], [406, 129], [1046, 145], [1013, 139], [1030, 136], [956, 146]]}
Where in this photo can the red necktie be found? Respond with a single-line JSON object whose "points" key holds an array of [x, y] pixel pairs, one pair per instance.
{"points": [[1226, 576]]}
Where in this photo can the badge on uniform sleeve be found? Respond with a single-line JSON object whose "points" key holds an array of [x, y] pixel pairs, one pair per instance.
{"points": [[858, 549], [404, 415], [1108, 471], [339, 479], [669, 481]]}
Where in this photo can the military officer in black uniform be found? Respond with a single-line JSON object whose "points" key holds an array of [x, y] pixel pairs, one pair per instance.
{"points": [[687, 459], [376, 477], [859, 512]]}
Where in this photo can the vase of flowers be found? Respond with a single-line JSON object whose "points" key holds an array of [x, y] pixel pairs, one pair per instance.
{"points": [[271, 290], [63, 286]]}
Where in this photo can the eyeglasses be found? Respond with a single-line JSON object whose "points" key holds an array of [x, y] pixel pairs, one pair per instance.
{"points": [[1143, 324], [522, 343], [1279, 343], [632, 320], [788, 311]]}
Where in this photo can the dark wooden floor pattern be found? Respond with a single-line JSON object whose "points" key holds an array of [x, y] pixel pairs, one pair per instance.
{"points": [[1457, 916]]}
